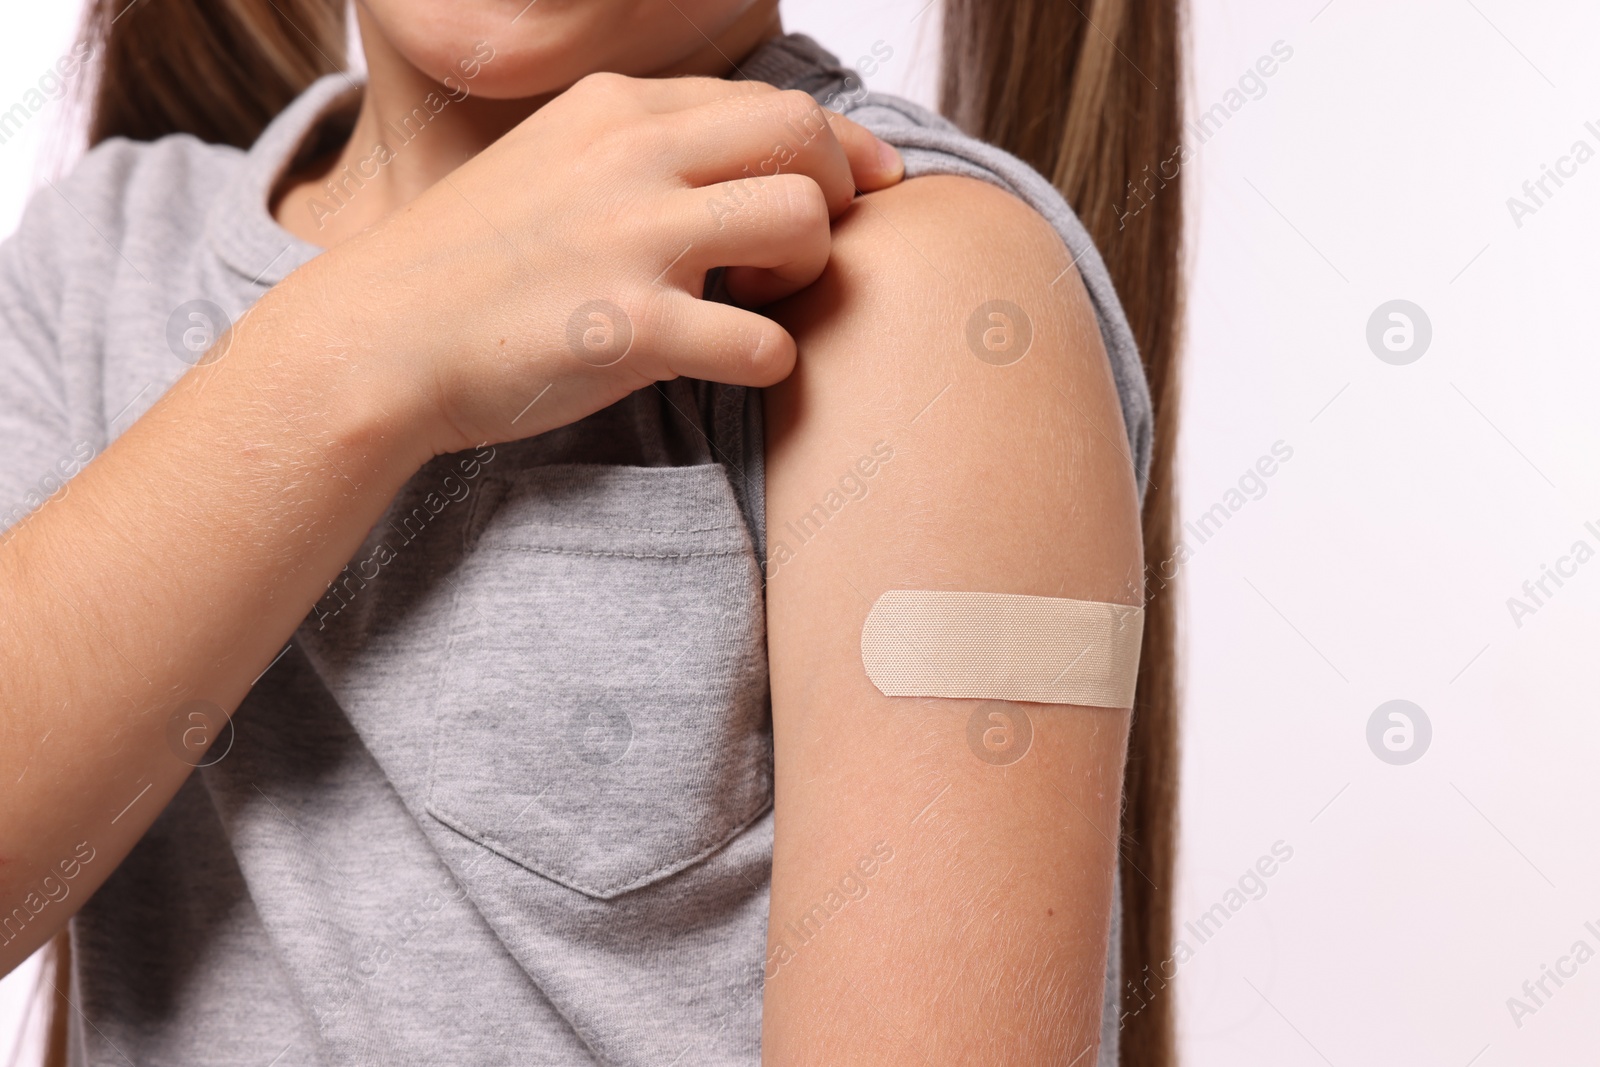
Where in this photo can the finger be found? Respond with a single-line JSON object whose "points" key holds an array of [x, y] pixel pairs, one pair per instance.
{"points": [[772, 233], [751, 137], [719, 343], [875, 164], [753, 287], [666, 95]]}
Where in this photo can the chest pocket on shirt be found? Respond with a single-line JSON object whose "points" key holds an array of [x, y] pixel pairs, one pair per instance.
{"points": [[602, 715]]}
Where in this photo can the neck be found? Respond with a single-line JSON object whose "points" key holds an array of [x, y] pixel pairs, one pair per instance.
{"points": [[411, 131]]}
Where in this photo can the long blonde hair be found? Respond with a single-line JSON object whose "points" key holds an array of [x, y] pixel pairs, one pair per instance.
{"points": [[1089, 94]]}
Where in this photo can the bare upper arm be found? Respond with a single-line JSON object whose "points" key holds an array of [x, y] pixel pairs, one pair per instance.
{"points": [[909, 451]]}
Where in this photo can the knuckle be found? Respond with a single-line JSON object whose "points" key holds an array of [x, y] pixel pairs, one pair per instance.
{"points": [[603, 83], [802, 119], [799, 203], [799, 108], [605, 92]]}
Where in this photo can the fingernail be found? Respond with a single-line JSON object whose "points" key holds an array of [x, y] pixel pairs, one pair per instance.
{"points": [[889, 158]]}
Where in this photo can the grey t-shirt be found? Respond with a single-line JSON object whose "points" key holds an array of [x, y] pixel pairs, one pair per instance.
{"points": [[506, 797]]}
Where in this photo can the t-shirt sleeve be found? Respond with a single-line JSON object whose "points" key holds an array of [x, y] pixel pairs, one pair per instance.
{"points": [[931, 144], [37, 453]]}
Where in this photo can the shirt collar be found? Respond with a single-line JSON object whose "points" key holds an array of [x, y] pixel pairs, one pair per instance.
{"points": [[241, 229]]}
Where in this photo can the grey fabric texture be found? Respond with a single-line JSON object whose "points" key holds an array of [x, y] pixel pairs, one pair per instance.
{"points": [[506, 797]]}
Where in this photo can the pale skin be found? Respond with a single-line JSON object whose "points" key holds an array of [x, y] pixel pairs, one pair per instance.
{"points": [[983, 938]]}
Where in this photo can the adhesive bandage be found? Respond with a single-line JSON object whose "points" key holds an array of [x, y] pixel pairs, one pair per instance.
{"points": [[1000, 646]]}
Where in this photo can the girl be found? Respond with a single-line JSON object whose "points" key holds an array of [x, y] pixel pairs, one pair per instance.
{"points": [[503, 565]]}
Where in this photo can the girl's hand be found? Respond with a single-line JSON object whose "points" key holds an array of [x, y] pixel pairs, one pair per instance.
{"points": [[563, 267]]}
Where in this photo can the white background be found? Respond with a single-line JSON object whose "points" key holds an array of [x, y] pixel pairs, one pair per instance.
{"points": [[1376, 165]]}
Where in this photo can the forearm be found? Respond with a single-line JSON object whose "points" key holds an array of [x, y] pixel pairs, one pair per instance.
{"points": [[175, 568]]}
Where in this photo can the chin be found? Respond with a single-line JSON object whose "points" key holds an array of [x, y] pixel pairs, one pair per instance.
{"points": [[510, 49]]}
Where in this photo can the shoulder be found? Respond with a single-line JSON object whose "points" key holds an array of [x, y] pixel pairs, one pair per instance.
{"points": [[962, 270], [932, 145], [952, 323], [125, 204], [964, 235], [953, 274], [120, 183]]}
